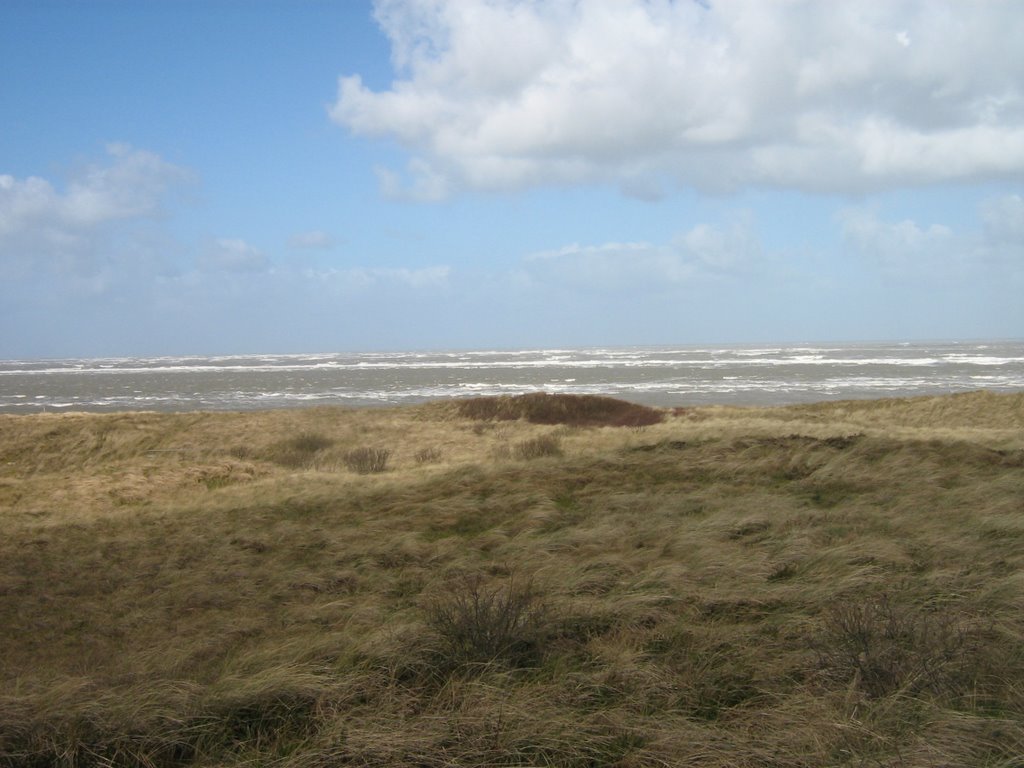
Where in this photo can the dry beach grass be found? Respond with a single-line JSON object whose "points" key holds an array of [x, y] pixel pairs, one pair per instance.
{"points": [[536, 582]]}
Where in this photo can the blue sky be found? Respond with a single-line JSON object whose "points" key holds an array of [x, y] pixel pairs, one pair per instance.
{"points": [[269, 176]]}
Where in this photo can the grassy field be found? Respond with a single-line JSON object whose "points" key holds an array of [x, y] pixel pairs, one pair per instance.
{"points": [[532, 582]]}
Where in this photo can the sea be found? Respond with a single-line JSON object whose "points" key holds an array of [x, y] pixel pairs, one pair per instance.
{"points": [[656, 375]]}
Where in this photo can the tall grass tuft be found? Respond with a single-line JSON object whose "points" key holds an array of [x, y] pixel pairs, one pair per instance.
{"points": [[366, 461], [428, 455], [538, 448], [300, 451]]}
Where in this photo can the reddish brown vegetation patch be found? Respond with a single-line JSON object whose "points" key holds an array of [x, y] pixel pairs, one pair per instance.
{"points": [[574, 410]]}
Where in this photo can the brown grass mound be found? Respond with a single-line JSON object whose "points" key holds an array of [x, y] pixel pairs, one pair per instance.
{"points": [[572, 410]]}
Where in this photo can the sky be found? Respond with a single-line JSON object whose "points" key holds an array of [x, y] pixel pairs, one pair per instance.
{"points": [[286, 176]]}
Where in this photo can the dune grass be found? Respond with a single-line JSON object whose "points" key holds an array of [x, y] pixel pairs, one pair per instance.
{"points": [[828, 585]]}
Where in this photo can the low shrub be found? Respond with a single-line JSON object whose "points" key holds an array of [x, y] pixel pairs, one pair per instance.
{"points": [[367, 461], [883, 646], [478, 623]]}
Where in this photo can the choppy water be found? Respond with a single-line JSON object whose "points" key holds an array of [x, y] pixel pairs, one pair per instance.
{"points": [[747, 375]]}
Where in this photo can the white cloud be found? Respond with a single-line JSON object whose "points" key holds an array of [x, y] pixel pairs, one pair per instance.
{"points": [[721, 248], [500, 94], [913, 250], [131, 185], [1004, 222], [233, 255], [610, 266], [315, 239], [902, 247], [41, 222], [866, 229], [421, 183], [703, 252], [363, 278]]}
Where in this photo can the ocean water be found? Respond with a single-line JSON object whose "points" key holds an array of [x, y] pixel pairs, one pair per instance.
{"points": [[668, 376]]}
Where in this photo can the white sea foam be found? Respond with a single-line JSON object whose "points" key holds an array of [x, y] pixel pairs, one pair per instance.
{"points": [[660, 375], [583, 363]]}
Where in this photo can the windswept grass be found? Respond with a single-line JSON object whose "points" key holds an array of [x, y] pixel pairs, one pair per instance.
{"points": [[828, 585]]}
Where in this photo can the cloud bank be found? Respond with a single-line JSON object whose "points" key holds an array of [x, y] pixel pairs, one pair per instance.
{"points": [[42, 225], [703, 254], [650, 94], [908, 249]]}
